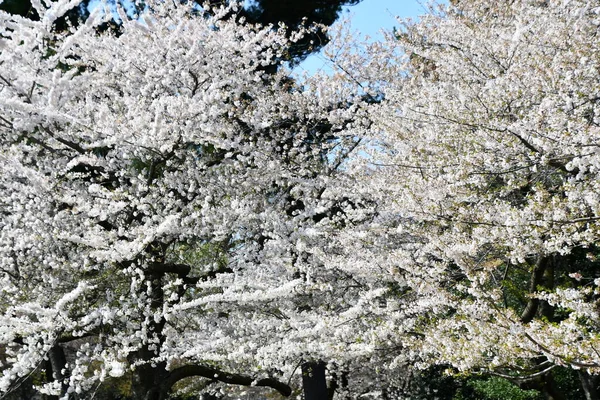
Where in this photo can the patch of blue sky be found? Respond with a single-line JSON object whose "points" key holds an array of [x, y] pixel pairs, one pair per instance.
{"points": [[368, 19], [127, 5]]}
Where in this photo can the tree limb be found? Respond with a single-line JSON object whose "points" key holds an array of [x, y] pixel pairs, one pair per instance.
{"points": [[182, 270], [518, 378], [536, 279], [187, 371]]}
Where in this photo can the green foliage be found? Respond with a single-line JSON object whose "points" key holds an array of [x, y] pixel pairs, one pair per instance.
{"points": [[202, 256], [435, 383], [567, 382], [495, 388], [515, 286]]}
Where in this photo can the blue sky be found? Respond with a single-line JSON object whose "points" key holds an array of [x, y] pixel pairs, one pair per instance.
{"points": [[369, 17]]}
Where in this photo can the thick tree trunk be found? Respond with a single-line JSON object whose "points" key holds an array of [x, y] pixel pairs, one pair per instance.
{"points": [[589, 383], [149, 378], [537, 276], [314, 383], [339, 380], [148, 382], [55, 368]]}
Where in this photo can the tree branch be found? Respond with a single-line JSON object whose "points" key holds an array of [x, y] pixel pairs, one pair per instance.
{"points": [[66, 142], [524, 377], [536, 279], [187, 371], [167, 268]]}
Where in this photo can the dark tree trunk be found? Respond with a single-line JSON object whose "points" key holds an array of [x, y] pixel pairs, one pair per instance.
{"points": [[148, 382], [149, 379], [55, 366], [537, 277], [314, 383], [339, 380], [589, 383]]}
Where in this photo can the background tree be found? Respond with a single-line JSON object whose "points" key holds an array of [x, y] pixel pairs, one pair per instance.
{"points": [[484, 160], [297, 14], [25, 9]]}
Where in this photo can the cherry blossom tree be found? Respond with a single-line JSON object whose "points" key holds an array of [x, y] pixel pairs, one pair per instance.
{"points": [[163, 204], [484, 156]]}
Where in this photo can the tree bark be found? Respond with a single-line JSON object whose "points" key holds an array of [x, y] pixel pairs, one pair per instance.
{"points": [[589, 383], [148, 382], [537, 276], [149, 376], [314, 383], [151, 380], [546, 310], [55, 366], [187, 371], [338, 380]]}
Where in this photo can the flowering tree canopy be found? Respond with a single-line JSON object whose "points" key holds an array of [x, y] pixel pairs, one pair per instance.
{"points": [[485, 153], [158, 191]]}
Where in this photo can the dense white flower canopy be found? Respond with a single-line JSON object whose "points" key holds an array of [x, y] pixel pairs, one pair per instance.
{"points": [[485, 157], [161, 195]]}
